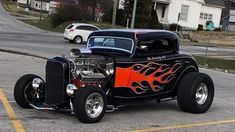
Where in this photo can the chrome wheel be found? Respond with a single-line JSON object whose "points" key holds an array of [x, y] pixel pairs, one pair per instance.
{"points": [[201, 94], [78, 40], [32, 95], [94, 105]]}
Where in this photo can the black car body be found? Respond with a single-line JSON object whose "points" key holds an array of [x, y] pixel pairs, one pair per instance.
{"points": [[118, 67]]}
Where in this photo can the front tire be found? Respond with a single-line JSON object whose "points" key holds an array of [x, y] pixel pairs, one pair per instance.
{"points": [[90, 104], [195, 92], [24, 93]]}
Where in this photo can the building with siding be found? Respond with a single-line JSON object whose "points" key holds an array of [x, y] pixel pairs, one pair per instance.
{"points": [[40, 4], [188, 13]]}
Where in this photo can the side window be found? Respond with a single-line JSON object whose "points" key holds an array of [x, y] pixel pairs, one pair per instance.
{"points": [[154, 47], [81, 28], [93, 28], [88, 28]]}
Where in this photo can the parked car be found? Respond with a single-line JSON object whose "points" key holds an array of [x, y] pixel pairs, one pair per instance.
{"points": [[79, 32], [117, 68]]}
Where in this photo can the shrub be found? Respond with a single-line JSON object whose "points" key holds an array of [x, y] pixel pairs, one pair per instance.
{"points": [[65, 13], [166, 26], [218, 29], [200, 27], [174, 26]]}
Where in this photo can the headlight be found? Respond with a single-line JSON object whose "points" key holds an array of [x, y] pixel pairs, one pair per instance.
{"points": [[70, 89], [37, 82]]}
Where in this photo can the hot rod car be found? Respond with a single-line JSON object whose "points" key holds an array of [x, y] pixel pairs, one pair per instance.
{"points": [[118, 67]]}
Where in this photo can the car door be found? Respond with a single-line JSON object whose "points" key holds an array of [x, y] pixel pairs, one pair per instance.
{"points": [[83, 31], [153, 70]]}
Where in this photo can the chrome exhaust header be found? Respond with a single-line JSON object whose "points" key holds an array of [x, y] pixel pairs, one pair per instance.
{"points": [[42, 108]]}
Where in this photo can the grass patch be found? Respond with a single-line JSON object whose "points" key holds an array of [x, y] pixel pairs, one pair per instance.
{"points": [[47, 25], [12, 7], [216, 63]]}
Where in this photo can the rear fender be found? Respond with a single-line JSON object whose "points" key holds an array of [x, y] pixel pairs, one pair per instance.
{"points": [[186, 71]]}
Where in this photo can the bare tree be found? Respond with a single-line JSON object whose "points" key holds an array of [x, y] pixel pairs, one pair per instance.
{"points": [[76, 2]]}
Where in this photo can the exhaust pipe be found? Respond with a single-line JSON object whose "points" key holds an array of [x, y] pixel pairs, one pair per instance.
{"points": [[42, 108]]}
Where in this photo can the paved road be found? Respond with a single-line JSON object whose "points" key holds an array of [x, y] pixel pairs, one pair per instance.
{"points": [[51, 44], [135, 117], [9, 23]]}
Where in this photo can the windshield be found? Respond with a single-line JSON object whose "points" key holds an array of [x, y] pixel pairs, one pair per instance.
{"points": [[108, 42]]}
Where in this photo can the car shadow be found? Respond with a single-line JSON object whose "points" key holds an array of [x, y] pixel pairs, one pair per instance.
{"points": [[149, 106]]}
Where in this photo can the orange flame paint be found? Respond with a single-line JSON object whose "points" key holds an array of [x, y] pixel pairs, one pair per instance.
{"points": [[141, 78]]}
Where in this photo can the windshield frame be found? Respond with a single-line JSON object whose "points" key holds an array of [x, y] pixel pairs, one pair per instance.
{"points": [[112, 48]]}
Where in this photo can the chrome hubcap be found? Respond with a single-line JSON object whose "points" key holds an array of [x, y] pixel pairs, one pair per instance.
{"points": [[94, 105], [78, 40], [201, 94]]}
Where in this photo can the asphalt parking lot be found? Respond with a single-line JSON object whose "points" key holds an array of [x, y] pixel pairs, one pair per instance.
{"points": [[141, 117]]}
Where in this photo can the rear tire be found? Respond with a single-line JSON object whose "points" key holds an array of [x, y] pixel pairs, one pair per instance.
{"points": [[195, 92], [23, 87], [78, 40], [90, 104]]}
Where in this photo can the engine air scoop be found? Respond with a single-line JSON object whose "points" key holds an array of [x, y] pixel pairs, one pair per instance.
{"points": [[80, 52]]}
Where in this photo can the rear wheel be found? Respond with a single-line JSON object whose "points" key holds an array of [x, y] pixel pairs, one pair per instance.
{"points": [[90, 104], [25, 94], [195, 93], [78, 40]]}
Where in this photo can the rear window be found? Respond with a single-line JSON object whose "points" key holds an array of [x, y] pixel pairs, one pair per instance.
{"points": [[154, 47], [70, 26]]}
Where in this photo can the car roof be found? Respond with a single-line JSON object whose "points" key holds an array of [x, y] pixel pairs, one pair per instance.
{"points": [[140, 35], [137, 34], [83, 24]]}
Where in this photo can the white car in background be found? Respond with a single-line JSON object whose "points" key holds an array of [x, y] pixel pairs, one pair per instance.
{"points": [[79, 32]]}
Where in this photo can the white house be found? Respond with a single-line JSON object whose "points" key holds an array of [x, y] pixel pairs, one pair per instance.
{"points": [[46, 5], [188, 13], [54, 5], [211, 11], [23, 2], [38, 5]]}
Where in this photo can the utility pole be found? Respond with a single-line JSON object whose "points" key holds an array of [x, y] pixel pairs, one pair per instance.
{"points": [[41, 11], [133, 15], [115, 4]]}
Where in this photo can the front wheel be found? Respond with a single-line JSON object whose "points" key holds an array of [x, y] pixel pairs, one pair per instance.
{"points": [[90, 104], [25, 94], [195, 92]]}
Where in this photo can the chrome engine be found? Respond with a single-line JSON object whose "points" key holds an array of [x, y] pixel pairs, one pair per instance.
{"points": [[91, 67]]}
